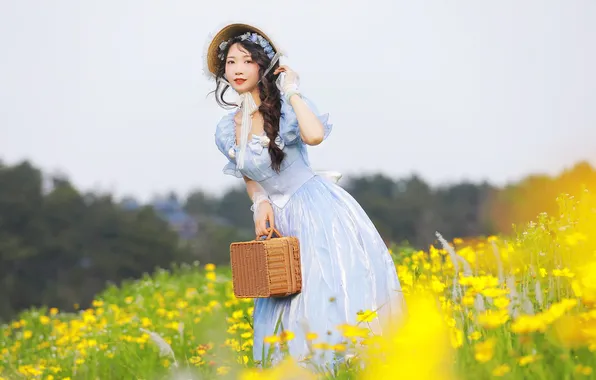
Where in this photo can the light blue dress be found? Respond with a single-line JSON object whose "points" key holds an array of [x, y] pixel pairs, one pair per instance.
{"points": [[346, 266]]}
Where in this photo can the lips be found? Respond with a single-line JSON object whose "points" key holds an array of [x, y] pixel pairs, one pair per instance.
{"points": [[239, 81]]}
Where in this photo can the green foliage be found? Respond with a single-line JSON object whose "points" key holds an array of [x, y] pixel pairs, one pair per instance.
{"points": [[60, 247]]}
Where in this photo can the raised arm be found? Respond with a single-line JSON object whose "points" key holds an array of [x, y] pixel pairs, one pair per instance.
{"points": [[312, 131], [311, 128]]}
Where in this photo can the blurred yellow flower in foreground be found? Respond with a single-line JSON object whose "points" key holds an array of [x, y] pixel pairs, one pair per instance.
{"points": [[288, 369], [417, 348], [585, 286]]}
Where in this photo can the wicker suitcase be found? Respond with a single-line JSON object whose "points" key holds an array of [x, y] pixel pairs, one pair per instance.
{"points": [[266, 268]]}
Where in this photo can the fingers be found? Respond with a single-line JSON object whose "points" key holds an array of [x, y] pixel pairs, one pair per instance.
{"points": [[281, 68], [261, 226]]}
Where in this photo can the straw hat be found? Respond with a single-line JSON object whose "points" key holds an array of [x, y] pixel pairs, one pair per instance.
{"points": [[211, 61]]}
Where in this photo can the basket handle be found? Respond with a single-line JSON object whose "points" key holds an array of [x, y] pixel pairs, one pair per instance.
{"points": [[270, 235]]}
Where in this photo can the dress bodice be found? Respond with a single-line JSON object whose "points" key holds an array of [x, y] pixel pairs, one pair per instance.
{"points": [[295, 167]]}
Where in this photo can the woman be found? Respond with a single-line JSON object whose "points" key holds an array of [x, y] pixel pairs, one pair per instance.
{"points": [[346, 266]]}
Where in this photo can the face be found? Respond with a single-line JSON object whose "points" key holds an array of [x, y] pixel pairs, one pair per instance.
{"points": [[241, 71]]}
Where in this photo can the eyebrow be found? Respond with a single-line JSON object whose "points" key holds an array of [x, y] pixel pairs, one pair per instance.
{"points": [[234, 57]]}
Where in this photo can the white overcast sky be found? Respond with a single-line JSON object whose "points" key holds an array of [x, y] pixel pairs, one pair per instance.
{"points": [[112, 92]]}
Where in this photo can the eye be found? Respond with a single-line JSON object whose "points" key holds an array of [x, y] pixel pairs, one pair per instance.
{"points": [[248, 61], [229, 62]]}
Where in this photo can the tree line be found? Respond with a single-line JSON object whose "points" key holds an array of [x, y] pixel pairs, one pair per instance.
{"points": [[59, 246]]}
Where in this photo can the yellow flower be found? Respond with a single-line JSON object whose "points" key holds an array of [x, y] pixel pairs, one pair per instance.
{"points": [[457, 338], [339, 348], [210, 276], [501, 370], [543, 272], [476, 335], [210, 267], [491, 319], [484, 351], [146, 322], [44, 320], [237, 314], [232, 343], [272, 339], [501, 302], [286, 336], [468, 300], [575, 238], [29, 370], [583, 370], [324, 346], [243, 359], [437, 285], [223, 370], [350, 331], [196, 360], [366, 316], [528, 359], [287, 367], [565, 272], [494, 292], [173, 325], [526, 324]]}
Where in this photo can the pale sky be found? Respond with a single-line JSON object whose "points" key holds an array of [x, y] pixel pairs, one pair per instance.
{"points": [[112, 92]]}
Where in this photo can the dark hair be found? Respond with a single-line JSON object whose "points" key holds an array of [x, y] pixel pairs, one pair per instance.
{"points": [[270, 107]]}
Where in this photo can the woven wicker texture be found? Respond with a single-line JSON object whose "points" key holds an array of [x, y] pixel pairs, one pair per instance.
{"points": [[266, 268]]}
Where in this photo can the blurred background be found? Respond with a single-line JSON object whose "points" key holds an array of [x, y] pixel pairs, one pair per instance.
{"points": [[462, 118]]}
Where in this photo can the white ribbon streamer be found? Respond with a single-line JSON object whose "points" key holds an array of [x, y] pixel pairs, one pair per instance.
{"points": [[247, 103]]}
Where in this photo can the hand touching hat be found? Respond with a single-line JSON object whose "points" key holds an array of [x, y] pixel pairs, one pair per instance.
{"points": [[287, 82]]}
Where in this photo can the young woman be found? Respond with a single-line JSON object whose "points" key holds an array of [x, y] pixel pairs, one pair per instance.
{"points": [[346, 266]]}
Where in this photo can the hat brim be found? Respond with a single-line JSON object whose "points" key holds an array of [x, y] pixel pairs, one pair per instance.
{"points": [[225, 34]]}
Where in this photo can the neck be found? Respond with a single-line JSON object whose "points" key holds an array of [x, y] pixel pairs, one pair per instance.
{"points": [[256, 95]]}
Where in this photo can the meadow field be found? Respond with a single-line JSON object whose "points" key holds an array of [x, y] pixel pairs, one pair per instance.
{"points": [[508, 307]]}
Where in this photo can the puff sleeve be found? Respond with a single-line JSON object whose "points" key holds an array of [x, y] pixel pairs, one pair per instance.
{"points": [[225, 139], [288, 123]]}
